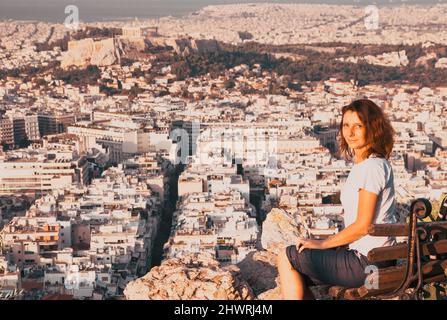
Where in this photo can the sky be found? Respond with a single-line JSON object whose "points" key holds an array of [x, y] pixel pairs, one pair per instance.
{"points": [[103, 10]]}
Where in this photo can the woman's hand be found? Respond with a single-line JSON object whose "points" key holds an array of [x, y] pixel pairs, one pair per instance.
{"points": [[302, 244]]}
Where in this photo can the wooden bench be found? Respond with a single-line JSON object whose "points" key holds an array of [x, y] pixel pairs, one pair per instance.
{"points": [[423, 257]]}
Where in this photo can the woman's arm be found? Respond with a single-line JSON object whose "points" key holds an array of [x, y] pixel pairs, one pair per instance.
{"points": [[365, 215]]}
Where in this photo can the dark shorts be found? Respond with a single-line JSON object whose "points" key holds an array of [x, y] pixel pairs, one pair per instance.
{"points": [[338, 266]]}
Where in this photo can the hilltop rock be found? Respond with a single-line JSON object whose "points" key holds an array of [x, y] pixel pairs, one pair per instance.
{"points": [[84, 52], [187, 46], [387, 59], [259, 270], [279, 230], [194, 276]]}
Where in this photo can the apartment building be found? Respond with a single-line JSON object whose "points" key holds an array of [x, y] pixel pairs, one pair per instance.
{"points": [[40, 171]]}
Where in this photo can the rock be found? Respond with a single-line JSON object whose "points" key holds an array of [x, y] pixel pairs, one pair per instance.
{"points": [[423, 61], [259, 270], [194, 276], [204, 45], [187, 46], [441, 63], [272, 294], [387, 59], [279, 230], [319, 292], [84, 52]]}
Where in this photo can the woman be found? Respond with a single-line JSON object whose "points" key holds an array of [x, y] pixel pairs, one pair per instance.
{"points": [[366, 137]]}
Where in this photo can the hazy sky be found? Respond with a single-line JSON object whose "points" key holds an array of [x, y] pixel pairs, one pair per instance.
{"points": [[100, 10]]}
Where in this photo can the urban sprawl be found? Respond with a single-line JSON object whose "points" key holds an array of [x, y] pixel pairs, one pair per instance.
{"points": [[130, 143]]}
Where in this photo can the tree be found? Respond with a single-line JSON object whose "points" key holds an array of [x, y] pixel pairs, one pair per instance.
{"points": [[245, 35], [229, 84]]}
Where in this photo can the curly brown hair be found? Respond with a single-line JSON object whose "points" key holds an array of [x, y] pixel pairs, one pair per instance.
{"points": [[379, 131]]}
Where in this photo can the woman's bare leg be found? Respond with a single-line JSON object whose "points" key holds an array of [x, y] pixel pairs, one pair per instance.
{"points": [[291, 281]]}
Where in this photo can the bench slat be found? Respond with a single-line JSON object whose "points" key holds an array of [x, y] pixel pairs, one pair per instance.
{"points": [[399, 251], [396, 273], [390, 278], [401, 229], [363, 292]]}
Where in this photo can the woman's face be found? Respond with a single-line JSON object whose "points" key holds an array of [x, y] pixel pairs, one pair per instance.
{"points": [[354, 131]]}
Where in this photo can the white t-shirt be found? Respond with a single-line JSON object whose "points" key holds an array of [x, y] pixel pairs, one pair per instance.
{"points": [[374, 175]]}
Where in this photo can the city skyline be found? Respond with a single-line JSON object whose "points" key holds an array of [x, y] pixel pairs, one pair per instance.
{"points": [[108, 10]]}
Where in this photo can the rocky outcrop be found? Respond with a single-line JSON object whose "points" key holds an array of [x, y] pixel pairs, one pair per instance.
{"points": [[387, 59], [194, 276], [259, 270], [84, 52], [187, 46], [279, 230]]}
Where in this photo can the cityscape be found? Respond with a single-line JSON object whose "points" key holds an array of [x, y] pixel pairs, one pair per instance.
{"points": [[172, 157]]}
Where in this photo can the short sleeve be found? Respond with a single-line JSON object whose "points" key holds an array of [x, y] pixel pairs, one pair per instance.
{"points": [[373, 177]]}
